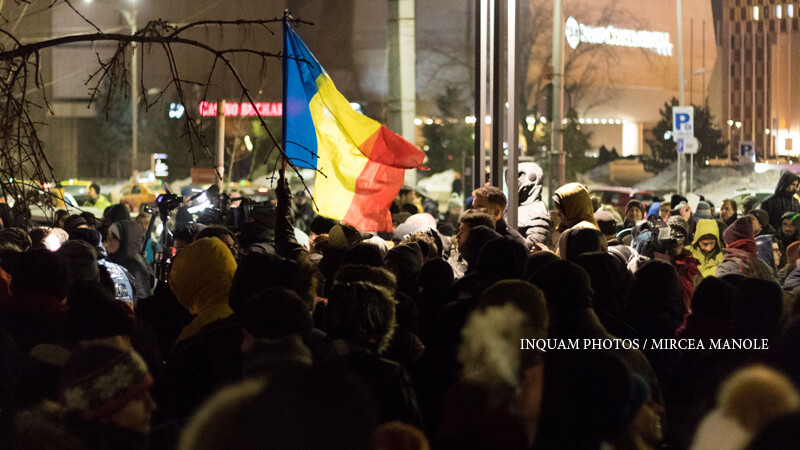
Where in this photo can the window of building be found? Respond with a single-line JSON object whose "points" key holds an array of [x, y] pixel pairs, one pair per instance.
{"points": [[756, 13], [779, 11], [790, 10]]}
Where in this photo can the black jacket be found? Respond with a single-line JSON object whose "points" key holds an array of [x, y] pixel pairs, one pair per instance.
{"points": [[781, 201]]}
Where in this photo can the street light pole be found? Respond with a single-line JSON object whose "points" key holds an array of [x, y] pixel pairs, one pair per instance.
{"points": [[131, 19]]}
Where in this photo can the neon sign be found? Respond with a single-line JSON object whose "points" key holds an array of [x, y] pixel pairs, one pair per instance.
{"points": [[652, 40], [243, 109]]}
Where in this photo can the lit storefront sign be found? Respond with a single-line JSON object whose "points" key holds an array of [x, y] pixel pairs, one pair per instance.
{"points": [[243, 109], [653, 40]]}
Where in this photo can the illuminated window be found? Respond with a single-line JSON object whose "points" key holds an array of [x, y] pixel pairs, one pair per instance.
{"points": [[756, 13], [790, 10], [779, 12]]}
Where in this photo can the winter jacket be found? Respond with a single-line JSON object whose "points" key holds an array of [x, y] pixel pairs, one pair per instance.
{"points": [[207, 354], [575, 205], [781, 201], [131, 237], [708, 263], [533, 217]]}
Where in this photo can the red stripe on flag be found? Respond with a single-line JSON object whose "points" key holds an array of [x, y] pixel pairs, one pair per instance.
{"points": [[387, 147], [376, 188]]}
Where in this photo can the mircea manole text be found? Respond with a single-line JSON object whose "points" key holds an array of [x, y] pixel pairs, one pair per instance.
{"points": [[544, 345]]}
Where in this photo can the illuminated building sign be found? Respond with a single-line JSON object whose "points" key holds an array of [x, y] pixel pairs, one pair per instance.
{"points": [[652, 40], [243, 109]]}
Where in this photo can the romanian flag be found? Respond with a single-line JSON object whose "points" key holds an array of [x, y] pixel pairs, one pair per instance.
{"points": [[360, 162]]}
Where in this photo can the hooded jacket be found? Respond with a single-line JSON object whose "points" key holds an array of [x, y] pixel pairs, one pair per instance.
{"points": [[533, 217], [207, 353], [781, 201], [131, 237], [708, 263], [201, 277], [575, 205]]}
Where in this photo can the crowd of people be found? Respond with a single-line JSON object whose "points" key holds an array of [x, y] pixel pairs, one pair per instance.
{"points": [[458, 330]]}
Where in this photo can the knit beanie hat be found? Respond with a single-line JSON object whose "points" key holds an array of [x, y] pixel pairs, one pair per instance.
{"points": [[274, 314], [606, 222], [703, 210], [321, 224], [406, 256], [566, 286], [577, 241], [98, 380], [501, 259], [635, 204], [742, 228], [762, 216], [436, 273], [677, 223], [345, 236], [82, 260]]}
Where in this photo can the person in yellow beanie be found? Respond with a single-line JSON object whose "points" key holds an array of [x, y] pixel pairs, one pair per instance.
{"points": [[207, 353]]}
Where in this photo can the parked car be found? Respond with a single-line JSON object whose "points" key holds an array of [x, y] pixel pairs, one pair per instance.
{"points": [[79, 189], [620, 196], [138, 193]]}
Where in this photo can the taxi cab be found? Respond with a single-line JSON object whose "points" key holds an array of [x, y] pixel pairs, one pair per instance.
{"points": [[140, 192]]}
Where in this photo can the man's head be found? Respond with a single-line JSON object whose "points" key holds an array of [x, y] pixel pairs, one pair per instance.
{"points": [[707, 243], [94, 190], [491, 198], [756, 224], [728, 209], [787, 226], [405, 195], [634, 212], [471, 219]]}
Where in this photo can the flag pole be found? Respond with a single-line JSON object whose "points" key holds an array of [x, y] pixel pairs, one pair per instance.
{"points": [[286, 17]]}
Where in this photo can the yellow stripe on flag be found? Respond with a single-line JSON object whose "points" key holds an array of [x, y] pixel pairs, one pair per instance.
{"points": [[340, 131]]}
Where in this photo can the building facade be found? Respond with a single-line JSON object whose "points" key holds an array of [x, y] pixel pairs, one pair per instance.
{"points": [[759, 52]]}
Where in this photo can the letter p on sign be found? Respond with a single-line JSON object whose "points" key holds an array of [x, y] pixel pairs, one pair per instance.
{"points": [[682, 122]]}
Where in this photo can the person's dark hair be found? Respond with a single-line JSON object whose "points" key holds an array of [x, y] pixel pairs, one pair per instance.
{"points": [[364, 253], [476, 217], [410, 208], [732, 202], [493, 194], [74, 221], [429, 242], [218, 231], [275, 313], [90, 219], [60, 214], [96, 187], [188, 233], [361, 313]]}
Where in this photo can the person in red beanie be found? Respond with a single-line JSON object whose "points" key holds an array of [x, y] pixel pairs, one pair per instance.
{"points": [[741, 254]]}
